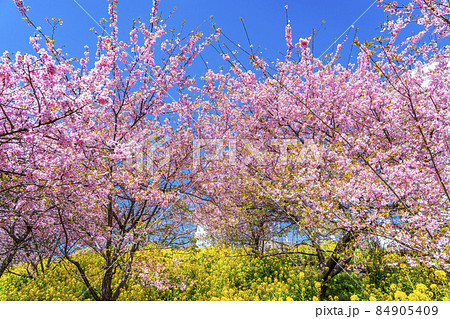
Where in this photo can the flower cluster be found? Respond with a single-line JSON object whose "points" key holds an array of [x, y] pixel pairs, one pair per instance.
{"points": [[226, 273]]}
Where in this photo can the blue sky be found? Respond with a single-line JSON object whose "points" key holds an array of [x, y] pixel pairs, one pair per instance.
{"points": [[265, 21]]}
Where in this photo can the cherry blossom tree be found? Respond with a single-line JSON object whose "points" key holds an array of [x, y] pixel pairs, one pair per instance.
{"points": [[380, 135], [94, 145], [35, 97], [106, 158]]}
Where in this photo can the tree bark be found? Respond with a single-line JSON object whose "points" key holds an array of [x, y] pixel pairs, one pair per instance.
{"points": [[333, 266], [6, 262]]}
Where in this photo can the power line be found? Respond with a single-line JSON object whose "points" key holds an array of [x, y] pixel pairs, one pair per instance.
{"points": [[350, 27]]}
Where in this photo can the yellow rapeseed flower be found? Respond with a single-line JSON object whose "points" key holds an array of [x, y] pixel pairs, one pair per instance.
{"points": [[440, 275], [413, 297], [400, 296], [421, 287]]}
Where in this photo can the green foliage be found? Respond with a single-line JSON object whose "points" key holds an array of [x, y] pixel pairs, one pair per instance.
{"points": [[344, 285]]}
